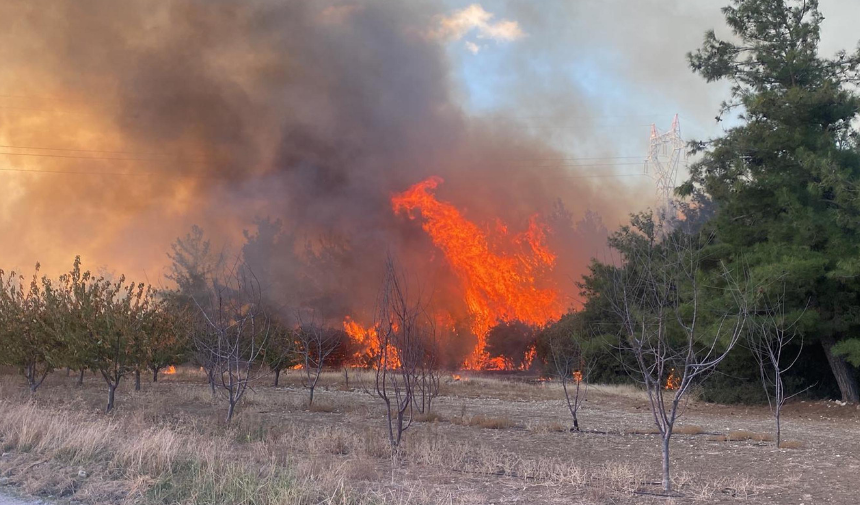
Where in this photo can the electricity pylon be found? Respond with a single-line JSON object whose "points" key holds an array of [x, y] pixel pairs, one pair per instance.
{"points": [[665, 155]]}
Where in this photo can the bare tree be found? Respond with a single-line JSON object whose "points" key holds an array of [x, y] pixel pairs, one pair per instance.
{"points": [[280, 352], [773, 332], [428, 378], [235, 334], [571, 361], [657, 295], [398, 340], [314, 344]]}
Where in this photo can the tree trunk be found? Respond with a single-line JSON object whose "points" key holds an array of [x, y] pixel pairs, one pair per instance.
{"points": [[667, 482], [311, 402], [137, 380], [211, 375], [778, 429], [277, 376], [81, 378], [230, 410], [111, 394], [155, 374], [843, 372]]}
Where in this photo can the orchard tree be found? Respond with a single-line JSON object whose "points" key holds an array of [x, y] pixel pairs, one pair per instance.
{"points": [[663, 303], [28, 343], [785, 179], [281, 353], [167, 334], [569, 352], [104, 323]]}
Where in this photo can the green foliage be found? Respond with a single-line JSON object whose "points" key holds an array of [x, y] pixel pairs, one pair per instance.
{"points": [[86, 322], [281, 348], [27, 340], [785, 180], [850, 349], [567, 346]]}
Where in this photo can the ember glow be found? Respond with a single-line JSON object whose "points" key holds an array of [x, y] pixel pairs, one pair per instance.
{"points": [[503, 276]]}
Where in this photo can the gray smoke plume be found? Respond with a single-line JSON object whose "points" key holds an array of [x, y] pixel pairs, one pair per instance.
{"points": [[305, 116]]}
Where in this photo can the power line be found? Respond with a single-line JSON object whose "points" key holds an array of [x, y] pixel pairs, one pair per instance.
{"points": [[103, 151], [83, 172], [104, 158], [546, 162], [37, 148]]}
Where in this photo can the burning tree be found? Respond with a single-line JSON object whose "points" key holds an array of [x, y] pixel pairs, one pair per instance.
{"points": [[510, 345], [658, 296], [235, 332], [504, 276]]}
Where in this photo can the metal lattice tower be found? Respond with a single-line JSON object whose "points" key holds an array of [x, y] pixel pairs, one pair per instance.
{"points": [[665, 155]]}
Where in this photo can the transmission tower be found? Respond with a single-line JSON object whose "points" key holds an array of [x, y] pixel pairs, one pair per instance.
{"points": [[665, 155]]}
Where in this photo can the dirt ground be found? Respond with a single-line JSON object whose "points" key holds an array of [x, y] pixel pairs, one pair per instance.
{"points": [[525, 455]]}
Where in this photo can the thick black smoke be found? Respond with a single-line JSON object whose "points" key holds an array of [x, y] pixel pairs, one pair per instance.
{"points": [[306, 116]]}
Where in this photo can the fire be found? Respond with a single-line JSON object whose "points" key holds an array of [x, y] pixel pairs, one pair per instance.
{"points": [[577, 376], [672, 382], [458, 377], [367, 342], [498, 285], [169, 370], [529, 358], [364, 337]]}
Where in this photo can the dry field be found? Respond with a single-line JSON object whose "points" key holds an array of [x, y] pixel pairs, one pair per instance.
{"points": [[489, 441]]}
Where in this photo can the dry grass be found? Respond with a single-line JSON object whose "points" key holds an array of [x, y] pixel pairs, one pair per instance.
{"points": [[428, 417], [486, 422], [158, 465], [168, 444], [550, 427], [790, 444], [322, 407], [688, 429], [744, 435]]}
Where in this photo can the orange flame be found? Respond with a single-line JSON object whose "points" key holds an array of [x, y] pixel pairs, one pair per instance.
{"points": [[368, 344], [498, 285], [529, 358], [577, 376], [672, 382], [169, 370]]}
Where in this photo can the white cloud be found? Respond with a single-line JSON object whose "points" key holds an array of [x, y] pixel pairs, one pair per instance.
{"points": [[474, 17], [472, 47]]}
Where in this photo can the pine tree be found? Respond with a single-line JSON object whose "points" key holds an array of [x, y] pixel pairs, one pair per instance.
{"points": [[785, 181]]}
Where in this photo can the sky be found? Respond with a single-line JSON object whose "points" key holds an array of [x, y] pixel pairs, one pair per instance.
{"points": [[605, 69]]}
